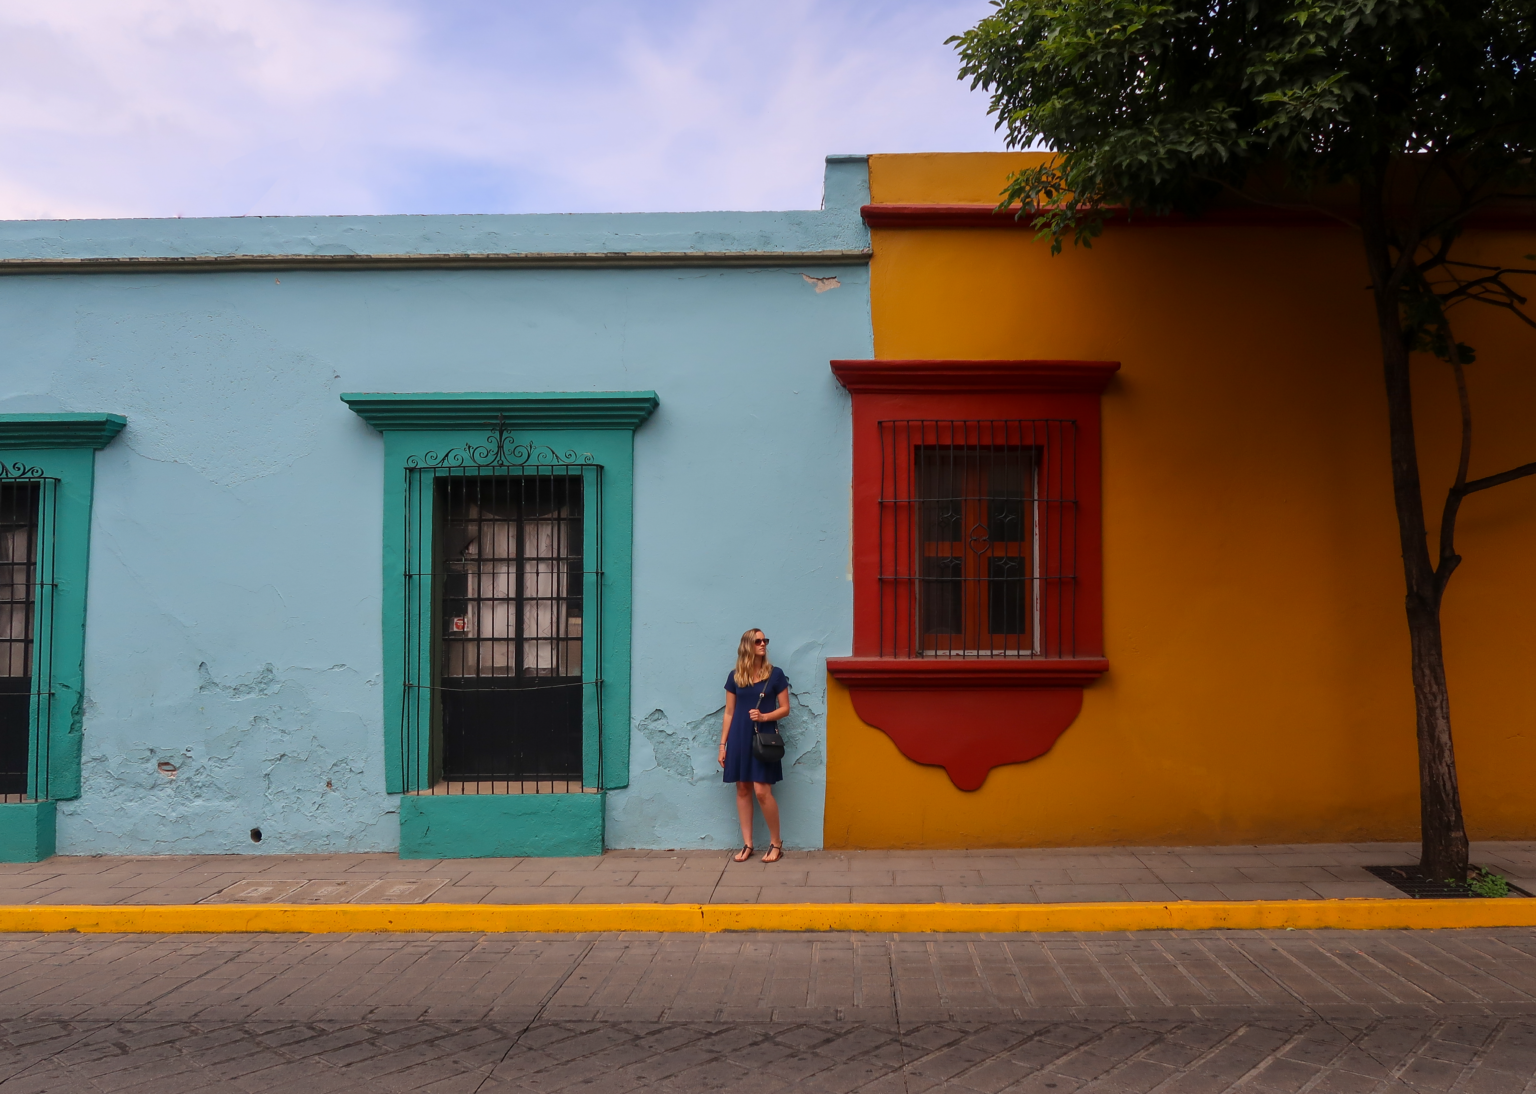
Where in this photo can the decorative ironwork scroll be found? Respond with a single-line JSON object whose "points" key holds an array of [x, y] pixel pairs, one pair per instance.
{"points": [[500, 449]]}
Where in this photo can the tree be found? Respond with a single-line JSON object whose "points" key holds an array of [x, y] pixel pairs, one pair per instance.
{"points": [[1425, 109]]}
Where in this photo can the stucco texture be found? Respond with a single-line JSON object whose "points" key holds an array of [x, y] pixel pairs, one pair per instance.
{"points": [[233, 632], [1258, 689]]}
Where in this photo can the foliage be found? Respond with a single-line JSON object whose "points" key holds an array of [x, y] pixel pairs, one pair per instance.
{"points": [[1424, 111], [1484, 882], [1158, 106]]}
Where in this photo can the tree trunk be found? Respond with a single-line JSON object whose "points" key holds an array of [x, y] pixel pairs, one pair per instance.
{"points": [[1442, 832]]}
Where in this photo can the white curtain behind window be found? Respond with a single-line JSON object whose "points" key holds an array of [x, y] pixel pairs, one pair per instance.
{"points": [[487, 644], [15, 600]]}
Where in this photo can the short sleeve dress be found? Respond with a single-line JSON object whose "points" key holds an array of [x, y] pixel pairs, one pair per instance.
{"points": [[740, 765]]}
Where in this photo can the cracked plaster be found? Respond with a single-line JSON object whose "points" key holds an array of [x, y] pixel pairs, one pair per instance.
{"points": [[233, 626]]}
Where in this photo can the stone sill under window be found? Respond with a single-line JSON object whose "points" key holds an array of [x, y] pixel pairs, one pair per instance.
{"points": [[967, 672]]}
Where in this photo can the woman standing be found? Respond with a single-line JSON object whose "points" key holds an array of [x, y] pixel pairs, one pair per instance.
{"points": [[756, 695]]}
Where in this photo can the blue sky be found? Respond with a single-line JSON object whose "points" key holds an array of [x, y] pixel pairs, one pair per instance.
{"points": [[246, 107]]}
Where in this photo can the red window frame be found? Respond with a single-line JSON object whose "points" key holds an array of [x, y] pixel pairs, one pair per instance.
{"points": [[985, 706], [978, 538]]}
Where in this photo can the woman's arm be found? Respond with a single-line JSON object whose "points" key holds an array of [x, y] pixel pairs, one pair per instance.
{"points": [[773, 715], [725, 730]]}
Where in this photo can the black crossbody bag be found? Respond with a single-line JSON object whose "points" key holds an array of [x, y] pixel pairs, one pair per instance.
{"points": [[767, 746]]}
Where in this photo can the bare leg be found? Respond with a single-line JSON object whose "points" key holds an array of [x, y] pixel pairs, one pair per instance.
{"points": [[744, 811], [770, 808]]}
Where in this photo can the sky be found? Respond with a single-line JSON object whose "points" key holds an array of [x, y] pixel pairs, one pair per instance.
{"points": [[151, 108]]}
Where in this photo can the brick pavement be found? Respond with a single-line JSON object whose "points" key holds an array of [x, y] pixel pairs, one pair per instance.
{"points": [[1193, 1013], [1286, 872]]}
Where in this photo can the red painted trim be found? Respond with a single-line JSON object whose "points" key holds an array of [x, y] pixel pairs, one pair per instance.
{"points": [[942, 216], [929, 673], [905, 215], [970, 715], [969, 731], [940, 377]]}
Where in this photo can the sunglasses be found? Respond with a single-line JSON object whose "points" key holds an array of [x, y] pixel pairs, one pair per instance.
{"points": [[759, 641]]}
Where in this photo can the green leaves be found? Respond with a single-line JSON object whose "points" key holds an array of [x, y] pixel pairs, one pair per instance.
{"points": [[1160, 107]]}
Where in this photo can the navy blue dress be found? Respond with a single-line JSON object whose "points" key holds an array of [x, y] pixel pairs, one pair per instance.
{"points": [[740, 765]]}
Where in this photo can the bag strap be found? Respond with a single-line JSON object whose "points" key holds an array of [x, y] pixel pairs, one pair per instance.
{"points": [[760, 697]]}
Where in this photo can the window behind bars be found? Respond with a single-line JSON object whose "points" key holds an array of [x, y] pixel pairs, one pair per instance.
{"points": [[978, 538], [26, 604], [498, 670]]}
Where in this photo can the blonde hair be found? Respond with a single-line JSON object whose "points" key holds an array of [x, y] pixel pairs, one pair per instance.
{"points": [[746, 654]]}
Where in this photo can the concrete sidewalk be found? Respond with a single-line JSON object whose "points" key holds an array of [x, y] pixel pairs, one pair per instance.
{"points": [[1044, 876]]}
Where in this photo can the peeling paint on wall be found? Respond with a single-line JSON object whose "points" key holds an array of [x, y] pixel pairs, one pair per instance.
{"points": [[693, 806], [670, 747], [262, 752], [233, 626]]}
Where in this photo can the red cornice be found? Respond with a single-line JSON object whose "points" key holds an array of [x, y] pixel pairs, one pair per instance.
{"points": [[899, 215], [941, 216], [941, 377], [939, 672]]}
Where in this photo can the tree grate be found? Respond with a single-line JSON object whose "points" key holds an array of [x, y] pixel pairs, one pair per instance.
{"points": [[1410, 880]]}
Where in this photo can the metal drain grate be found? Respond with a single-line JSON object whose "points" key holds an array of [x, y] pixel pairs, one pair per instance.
{"points": [[1409, 880]]}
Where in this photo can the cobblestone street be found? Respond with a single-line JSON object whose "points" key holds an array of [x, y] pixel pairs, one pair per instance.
{"points": [[1198, 1012]]}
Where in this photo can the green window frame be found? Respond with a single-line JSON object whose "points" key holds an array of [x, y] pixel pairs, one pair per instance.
{"points": [[58, 453], [431, 435]]}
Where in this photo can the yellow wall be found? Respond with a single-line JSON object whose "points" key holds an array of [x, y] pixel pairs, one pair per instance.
{"points": [[1258, 687]]}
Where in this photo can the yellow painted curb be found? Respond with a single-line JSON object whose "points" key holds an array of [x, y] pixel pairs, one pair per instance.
{"points": [[875, 918]]}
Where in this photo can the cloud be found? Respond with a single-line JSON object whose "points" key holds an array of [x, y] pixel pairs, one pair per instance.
{"points": [[224, 107]]}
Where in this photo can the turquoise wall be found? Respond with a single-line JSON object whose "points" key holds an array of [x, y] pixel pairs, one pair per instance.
{"points": [[233, 630]]}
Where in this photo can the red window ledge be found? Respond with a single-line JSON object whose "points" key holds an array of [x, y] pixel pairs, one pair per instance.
{"points": [[970, 714]]}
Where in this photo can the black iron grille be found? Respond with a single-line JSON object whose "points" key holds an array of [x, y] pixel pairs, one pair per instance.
{"points": [[978, 545], [503, 618], [26, 599]]}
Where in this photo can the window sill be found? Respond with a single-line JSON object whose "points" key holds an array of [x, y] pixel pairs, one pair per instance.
{"points": [[967, 672]]}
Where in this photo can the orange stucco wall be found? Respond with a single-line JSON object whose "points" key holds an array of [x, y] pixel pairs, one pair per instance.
{"points": [[1258, 687]]}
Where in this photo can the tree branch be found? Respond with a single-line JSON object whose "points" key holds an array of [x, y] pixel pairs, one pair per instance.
{"points": [[1449, 559], [1507, 305], [1498, 480], [1344, 220]]}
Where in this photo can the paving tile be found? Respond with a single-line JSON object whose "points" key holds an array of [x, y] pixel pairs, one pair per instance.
{"points": [[256, 891], [328, 892], [1355, 890], [689, 894], [1149, 891], [621, 894], [804, 894], [896, 894], [461, 894], [399, 890], [1101, 875], [931, 876], [1213, 856], [1303, 874], [1031, 876], [989, 894], [1071, 894], [530, 895], [734, 894], [1260, 890], [1180, 874]]}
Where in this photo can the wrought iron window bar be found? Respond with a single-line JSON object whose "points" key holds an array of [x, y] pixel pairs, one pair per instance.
{"points": [[978, 538], [503, 597], [27, 595]]}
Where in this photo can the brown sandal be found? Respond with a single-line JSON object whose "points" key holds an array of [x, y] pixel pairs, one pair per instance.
{"points": [[746, 852], [775, 852]]}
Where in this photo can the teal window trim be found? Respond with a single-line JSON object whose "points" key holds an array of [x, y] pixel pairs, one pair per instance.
{"points": [[590, 430], [58, 451]]}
